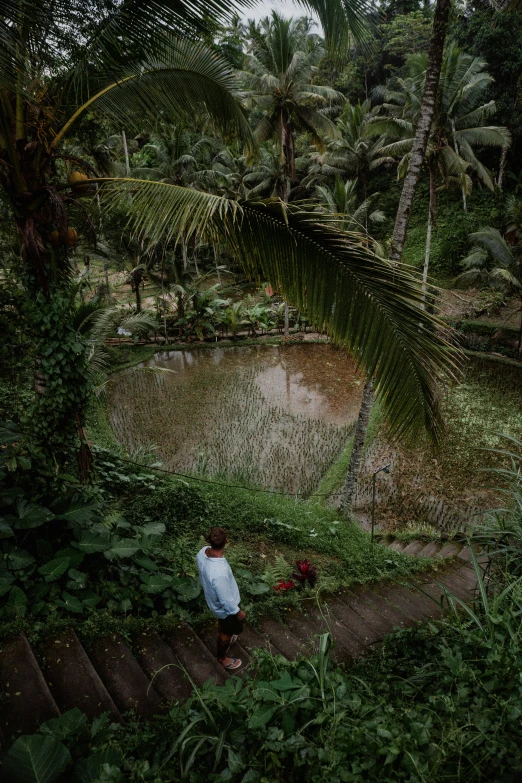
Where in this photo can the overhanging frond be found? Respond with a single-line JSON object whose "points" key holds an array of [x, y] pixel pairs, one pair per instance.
{"points": [[371, 307]]}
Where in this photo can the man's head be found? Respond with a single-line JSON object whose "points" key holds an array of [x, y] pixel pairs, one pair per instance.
{"points": [[217, 538]]}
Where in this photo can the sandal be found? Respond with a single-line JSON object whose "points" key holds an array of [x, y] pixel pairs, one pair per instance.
{"points": [[236, 664], [233, 639]]}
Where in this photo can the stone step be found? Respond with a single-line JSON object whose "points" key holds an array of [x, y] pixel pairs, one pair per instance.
{"points": [[309, 626], [209, 636], [451, 549], [398, 599], [353, 632], [356, 601], [123, 677], [397, 545], [281, 637], [161, 667], [431, 549], [73, 679], [26, 699], [194, 656], [252, 639], [425, 607], [389, 612], [414, 547]]}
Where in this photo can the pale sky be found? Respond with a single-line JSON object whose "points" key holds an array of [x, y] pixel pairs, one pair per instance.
{"points": [[265, 7]]}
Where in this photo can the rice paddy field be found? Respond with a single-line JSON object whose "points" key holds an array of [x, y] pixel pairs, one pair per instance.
{"points": [[271, 416]]}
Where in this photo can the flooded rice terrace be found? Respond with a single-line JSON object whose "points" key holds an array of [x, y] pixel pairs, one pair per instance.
{"points": [[272, 416]]}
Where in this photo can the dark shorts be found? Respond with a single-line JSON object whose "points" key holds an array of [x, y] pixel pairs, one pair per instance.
{"points": [[230, 625]]}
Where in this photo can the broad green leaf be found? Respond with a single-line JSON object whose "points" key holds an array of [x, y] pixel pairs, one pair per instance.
{"points": [[126, 605], [28, 515], [89, 598], [54, 569], [35, 759], [235, 762], [153, 529], [5, 583], [74, 556], [69, 723], [261, 717], [78, 512], [257, 588], [17, 602], [121, 547], [155, 583], [91, 541], [285, 683], [145, 562], [6, 531], [9, 433], [20, 559], [88, 770], [188, 591], [70, 602], [78, 579]]}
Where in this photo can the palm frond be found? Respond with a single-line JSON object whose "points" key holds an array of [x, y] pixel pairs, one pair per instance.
{"points": [[189, 80], [373, 308]]}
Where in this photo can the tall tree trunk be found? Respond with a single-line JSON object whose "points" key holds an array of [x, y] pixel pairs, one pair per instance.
{"points": [[520, 331], [350, 482], [420, 142], [402, 219], [126, 151], [503, 156], [431, 224], [288, 152], [464, 202]]}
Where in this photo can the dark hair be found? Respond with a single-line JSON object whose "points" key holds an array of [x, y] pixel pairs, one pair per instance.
{"points": [[217, 538]]}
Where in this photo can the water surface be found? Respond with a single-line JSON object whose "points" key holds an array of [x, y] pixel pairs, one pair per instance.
{"points": [[276, 416]]}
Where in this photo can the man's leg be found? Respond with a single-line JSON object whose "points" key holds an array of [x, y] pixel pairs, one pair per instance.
{"points": [[223, 643]]}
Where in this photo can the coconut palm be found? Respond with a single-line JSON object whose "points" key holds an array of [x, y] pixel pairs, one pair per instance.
{"points": [[458, 127], [278, 80], [342, 200], [495, 262], [358, 151], [128, 71]]}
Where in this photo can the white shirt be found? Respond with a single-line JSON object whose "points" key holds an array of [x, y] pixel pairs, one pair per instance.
{"points": [[220, 587]]}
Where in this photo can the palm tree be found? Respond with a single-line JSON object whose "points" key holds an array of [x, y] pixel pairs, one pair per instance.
{"points": [[136, 71], [278, 80], [358, 151], [495, 262], [422, 130], [342, 200], [402, 218], [458, 126]]}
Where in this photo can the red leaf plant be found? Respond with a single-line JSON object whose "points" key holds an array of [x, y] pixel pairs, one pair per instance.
{"points": [[306, 572], [283, 586]]}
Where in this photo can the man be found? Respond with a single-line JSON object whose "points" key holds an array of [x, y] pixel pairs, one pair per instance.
{"points": [[222, 594]]}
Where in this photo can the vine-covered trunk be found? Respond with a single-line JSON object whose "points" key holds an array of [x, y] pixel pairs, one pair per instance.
{"points": [[420, 142], [361, 428], [288, 154]]}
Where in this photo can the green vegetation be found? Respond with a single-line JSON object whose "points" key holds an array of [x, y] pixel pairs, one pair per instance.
{"points": [[171, 175]]}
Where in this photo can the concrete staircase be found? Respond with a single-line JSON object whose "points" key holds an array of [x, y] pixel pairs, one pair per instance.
{"points": [[114, 677]]}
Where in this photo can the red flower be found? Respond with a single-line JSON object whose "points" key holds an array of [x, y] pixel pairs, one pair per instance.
{"points": [[282, 585], [305, 572]]}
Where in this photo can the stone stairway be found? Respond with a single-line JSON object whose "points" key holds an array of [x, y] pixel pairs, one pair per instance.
{"points": [[114, 677]]}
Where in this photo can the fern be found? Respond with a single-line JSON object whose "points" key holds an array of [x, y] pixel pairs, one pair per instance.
{"points": [[280, 569]]}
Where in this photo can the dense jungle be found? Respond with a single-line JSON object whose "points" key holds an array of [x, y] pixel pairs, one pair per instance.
{"points": [[261, 270]]}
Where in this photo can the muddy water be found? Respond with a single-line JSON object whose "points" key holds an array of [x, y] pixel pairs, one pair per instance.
{"points": [[273, 416]]}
